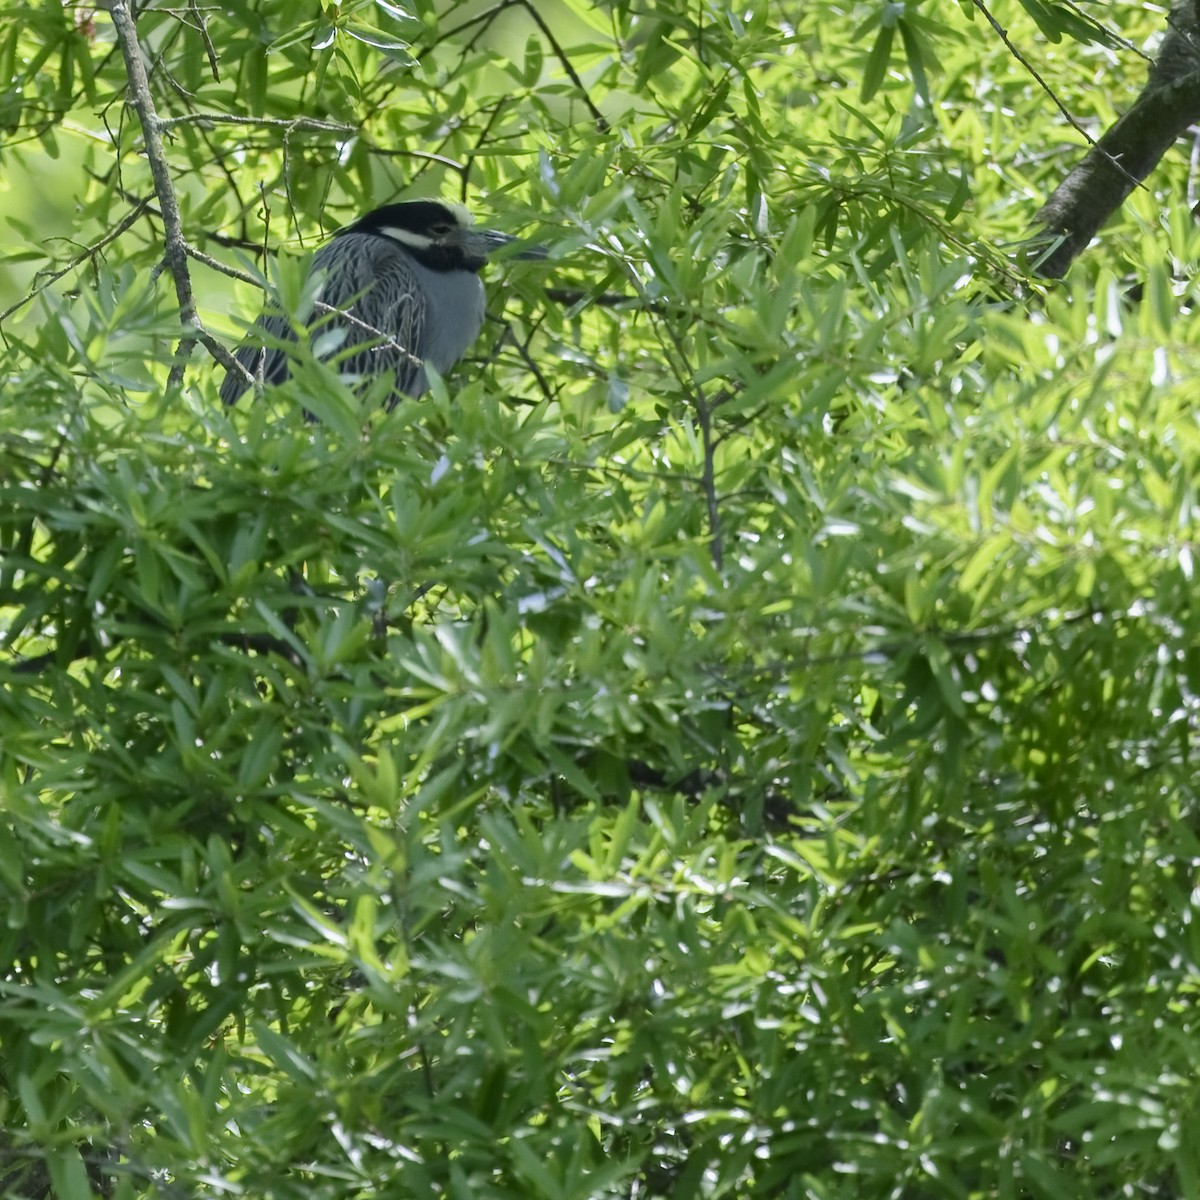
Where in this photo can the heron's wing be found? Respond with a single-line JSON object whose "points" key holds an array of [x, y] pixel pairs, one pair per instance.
{"points": [[372, 282], [257, 358]]}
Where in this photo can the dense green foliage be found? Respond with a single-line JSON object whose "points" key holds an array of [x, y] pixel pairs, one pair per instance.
{"points": [[734, 738]]}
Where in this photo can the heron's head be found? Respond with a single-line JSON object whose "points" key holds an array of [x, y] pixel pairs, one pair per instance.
{"points": [[439, 234]]}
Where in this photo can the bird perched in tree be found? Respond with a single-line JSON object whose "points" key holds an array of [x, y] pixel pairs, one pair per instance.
{"points": [[404, 281]]}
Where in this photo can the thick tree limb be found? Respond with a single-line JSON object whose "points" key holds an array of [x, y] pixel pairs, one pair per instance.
{"points": [[1129, 151]]}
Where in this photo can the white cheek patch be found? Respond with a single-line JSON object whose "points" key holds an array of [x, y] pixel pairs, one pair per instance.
{"points": [[406, 237]]}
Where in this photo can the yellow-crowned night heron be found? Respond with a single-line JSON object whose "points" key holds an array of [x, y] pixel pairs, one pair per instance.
{"points": [[405, 286]]}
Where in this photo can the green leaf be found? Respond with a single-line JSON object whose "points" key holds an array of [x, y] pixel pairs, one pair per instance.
{"points": [[284, 1054], [68, 1174], [877, 62]]}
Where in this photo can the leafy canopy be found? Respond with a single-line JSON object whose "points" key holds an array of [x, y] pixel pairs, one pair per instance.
{"points": [[731, 739]]}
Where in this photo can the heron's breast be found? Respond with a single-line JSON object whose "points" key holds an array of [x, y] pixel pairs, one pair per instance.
{"points": [[454, 310]]}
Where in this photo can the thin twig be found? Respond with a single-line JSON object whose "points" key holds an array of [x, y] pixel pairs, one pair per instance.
{"points": [[202, 24], [1002, 33], [708, 478], [158, 63], [286, 171], [507, 338], [486, 18], [260, 643], [1103, 31], [235, 243], [483, 18], [214, 118], [424, 155], [703, 408], [386, 341], [87, 254], [573, 296], [216, 265], [601, 122], [481, 140], [218, 351]]}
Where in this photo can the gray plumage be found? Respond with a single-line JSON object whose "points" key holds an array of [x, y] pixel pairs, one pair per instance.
{"points": [[405, 279]]}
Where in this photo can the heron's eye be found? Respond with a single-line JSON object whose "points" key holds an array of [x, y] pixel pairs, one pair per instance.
{"points": [[442, 229]]}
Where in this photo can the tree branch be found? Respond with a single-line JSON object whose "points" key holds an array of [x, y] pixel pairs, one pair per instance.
{"points": [[1129, 151], [175, 245]]}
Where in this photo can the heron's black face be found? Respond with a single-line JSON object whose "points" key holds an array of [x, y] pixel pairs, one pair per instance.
{"points": [[439, 234]]}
